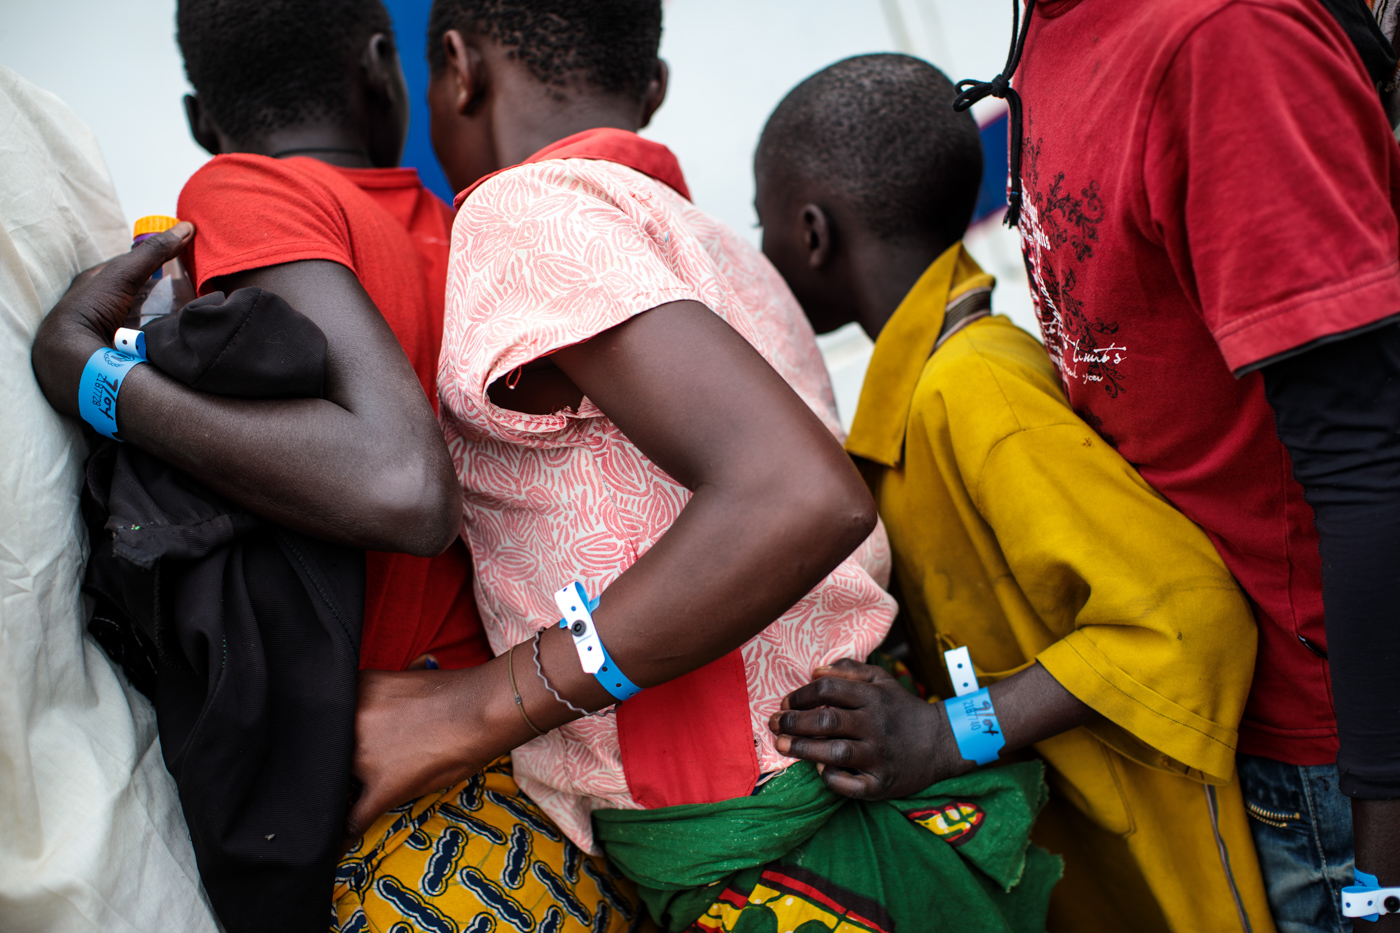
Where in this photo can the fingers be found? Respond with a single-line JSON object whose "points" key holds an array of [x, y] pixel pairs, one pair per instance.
{"points": [[832, 691], [367, 808], [132, 269], [103, 298], [848, 669], [858, 785], [837, 753], [88, 273], [824, 721]]}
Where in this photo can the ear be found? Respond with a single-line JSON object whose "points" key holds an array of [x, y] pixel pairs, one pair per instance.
{"points": [[818, 237], [467, 70], [386, 102], [383, 75], [655, 93], [202, 127]]}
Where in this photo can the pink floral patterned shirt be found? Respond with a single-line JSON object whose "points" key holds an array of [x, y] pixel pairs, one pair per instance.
{"points": [[549, 254]]}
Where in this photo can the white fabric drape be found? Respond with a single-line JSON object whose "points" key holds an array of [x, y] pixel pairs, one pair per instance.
{"points": [[91, 833]]}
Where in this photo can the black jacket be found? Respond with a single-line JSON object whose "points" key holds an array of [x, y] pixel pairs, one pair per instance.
{"points": [[245, 635]]}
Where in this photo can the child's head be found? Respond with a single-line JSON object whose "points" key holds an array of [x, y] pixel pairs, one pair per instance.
{"points": [[863, 159], [262, 68], [511, 76]]}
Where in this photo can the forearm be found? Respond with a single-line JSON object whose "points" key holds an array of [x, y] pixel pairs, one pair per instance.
{"points": [[365, 466], [1031, 706], [776, 504], [301, 463]]}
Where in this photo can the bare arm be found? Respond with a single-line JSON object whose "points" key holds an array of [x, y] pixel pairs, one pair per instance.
{"points": [[364, 466], [777, 506], [873, 739]]}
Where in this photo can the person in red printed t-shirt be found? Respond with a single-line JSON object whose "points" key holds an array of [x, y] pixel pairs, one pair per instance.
{"points": [[1206, 195], [319, 197]]}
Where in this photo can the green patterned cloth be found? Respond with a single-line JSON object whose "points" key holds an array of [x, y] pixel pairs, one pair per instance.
{"points": [[795, 855]]}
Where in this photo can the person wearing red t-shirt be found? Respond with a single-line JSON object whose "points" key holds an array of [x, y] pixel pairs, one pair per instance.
{"points": [[1206, 195], [304, 107]]}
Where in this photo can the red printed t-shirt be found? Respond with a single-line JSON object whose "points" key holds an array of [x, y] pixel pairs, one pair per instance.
{"points": [[1208, 184], [252, 211]]}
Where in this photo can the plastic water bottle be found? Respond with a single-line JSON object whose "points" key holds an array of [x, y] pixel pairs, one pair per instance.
{"points": [[169, 288]]}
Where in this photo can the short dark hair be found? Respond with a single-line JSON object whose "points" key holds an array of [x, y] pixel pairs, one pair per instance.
{"points": [[262, 65], [609, 44], [879, 132]]}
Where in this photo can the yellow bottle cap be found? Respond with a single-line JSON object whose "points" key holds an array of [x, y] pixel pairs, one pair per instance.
{"points": [[155, 223]]}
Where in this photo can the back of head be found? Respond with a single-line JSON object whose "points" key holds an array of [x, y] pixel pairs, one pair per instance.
{"points": [[878, 133], [262, 65], [608, 46]]}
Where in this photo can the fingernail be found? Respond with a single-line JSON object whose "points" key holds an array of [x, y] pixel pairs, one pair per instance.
{"points": [[773, 722], [784, 705], [183, 229], [825, 668], [431, 663], [783, 744]]}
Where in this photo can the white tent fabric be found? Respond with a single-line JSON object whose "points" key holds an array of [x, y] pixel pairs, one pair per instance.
{"points": [[91, 834]]}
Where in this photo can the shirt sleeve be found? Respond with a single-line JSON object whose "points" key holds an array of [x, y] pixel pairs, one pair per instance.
{"points": [[253, 211], [1154, 633], [1337, 408], [1269, 172], [546, 256]]}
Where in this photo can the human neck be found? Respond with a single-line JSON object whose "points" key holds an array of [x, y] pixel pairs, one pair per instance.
{"points": [[883, 274], [524, 127], [330, 143]]}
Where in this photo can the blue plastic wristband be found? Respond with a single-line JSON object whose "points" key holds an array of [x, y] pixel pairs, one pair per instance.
{"points": [[975, 726], [1357, 893], [610, 675], [97, 389]]}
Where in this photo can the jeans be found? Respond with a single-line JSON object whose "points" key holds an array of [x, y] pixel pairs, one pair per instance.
{"points": [[1302, 830]]}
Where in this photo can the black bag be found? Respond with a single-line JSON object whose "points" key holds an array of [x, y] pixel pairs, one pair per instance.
{"points": [[246, 636]]}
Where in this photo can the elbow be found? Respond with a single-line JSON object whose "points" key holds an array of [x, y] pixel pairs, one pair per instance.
{"points": [[856, 516], [841, 509], [418, 508]]}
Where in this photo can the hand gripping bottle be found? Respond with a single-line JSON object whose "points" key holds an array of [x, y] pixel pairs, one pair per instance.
{"points": [[169, 289]]}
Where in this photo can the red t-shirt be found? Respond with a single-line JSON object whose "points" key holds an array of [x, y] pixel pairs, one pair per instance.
{"points": [[1209, 183], [251, 211]]}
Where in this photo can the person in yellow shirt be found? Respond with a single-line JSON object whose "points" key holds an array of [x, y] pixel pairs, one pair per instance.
{"points": [[1116, 643]]}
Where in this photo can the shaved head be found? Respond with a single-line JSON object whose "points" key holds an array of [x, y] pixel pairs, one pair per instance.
{"points": [[878, 133]]}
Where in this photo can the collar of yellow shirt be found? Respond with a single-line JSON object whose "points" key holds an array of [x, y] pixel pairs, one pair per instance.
{"points": [[903, 348]]}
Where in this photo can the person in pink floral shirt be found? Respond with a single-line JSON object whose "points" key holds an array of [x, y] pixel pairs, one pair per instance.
{"points": [[618, 368]]}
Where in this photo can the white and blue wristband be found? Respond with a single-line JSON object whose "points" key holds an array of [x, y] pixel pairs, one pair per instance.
{"points": [[1367, 900], [102, 380], [577, 611], [971, 714]]}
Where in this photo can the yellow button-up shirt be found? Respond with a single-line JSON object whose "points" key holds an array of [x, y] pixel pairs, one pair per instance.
{"points": [[1018, 532]]}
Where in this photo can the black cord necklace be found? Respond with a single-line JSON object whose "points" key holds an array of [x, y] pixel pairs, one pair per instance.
{"points": [[342, 150], [971, 91]]}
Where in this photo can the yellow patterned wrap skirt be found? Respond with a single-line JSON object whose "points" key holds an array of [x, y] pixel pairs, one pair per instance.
{"points": [[479, 857]]}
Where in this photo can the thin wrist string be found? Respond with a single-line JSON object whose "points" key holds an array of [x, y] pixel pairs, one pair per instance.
{"points": [[519, 703]]}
